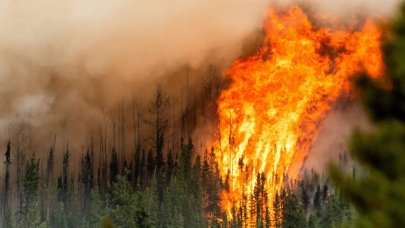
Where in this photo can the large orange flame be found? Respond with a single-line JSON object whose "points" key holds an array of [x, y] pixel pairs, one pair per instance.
{"points": [[269, 115]]}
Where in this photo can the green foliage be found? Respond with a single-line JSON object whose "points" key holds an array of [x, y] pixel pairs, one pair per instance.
{"points": [[190, 198], [379, 196], [292, 212], [173, 203], [86, 179], [150, 203], [186, 159], [336, 212], [212, 184], [184, 191], [30, 211], [121, 204]]}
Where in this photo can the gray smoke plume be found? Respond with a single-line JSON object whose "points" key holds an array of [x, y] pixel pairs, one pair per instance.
{"points": [[75, 59], [66, 63], [334, 135]]}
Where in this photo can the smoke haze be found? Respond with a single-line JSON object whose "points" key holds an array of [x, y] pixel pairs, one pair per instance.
{"points": [[334, 135], [72, 60]]}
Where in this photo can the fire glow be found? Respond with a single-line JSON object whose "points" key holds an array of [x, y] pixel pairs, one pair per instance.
{"points": [[269, 115]]}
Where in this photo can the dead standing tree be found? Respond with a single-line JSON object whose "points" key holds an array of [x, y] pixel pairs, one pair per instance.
{"points": [[158, 108]]}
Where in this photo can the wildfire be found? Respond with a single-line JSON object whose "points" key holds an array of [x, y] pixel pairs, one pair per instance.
{"points": [[269, 115]]}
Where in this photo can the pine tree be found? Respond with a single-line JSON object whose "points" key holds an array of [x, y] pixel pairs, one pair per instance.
{"points": [[86, 179], [325, 192], [6, 218], [212, 179], [259, 200], [277, 210], [171, 212], [50, 164], [138, 164], [292, 212], [195, 196], [8, 153], [169, 167], [71, 210], [150, 203], [30, 213], [113, 166], [122, 206], [63, 181], [317, 200], [195, 180], [305, 199], [186, 159], [158, 107]]}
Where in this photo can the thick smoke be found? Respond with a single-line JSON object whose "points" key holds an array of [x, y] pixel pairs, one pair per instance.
{"points": [[65, 63], [72, 60], [348, 8]]}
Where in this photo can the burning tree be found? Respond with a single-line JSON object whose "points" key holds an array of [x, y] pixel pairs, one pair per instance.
{"points": [[380, 194], [269, 115]]}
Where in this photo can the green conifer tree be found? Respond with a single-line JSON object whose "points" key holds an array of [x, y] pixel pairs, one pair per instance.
{"points": [[379, 195]]}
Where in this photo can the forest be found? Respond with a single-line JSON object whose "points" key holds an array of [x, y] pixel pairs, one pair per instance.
{"points": [[144, 166], [151, 181], [181, 189]]}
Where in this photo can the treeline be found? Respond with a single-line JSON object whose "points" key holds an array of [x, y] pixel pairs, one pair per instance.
{"points": [[309, 202], [142, 144], [159, 181], [183, 191], [172, 195]]}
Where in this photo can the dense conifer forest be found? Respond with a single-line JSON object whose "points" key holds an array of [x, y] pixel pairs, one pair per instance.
{"points": [[150, 183], [182, 189]]}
